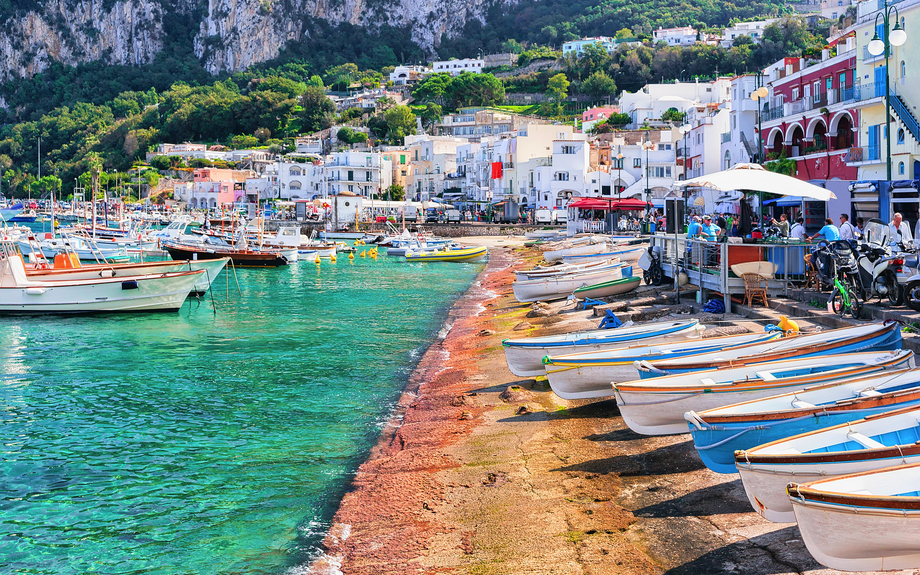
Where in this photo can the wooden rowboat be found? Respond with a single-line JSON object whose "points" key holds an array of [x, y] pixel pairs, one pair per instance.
{"points": [[525, 356], [867, 521], [658, 406], [875, 442], [465, 254], [561, 286], [718, 433], [610, 288]]}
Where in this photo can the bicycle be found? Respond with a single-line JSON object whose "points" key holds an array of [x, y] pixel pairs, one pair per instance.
{"points": [[845, 295]]}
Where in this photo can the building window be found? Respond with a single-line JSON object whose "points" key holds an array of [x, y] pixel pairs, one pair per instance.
{"points": [[903, 69], [900, 168], [617, 163], [901, 137], [637, 162]]}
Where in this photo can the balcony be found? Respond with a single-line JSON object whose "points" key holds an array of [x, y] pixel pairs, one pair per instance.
{"points": [[861, 154], [726, 137]]}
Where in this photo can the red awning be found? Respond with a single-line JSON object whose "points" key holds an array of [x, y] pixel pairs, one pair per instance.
{"points": [[615, 205]]}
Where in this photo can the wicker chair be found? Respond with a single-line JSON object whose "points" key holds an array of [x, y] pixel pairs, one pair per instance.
{"points": [[755, 286], [811, 274]]}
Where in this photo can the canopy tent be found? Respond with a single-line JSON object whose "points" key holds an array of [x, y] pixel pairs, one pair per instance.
{"points": [[613, 205], [755, 178], [787, 201]]}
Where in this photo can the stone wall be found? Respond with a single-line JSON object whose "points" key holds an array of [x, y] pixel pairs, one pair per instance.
{"points": [[442, 230]]}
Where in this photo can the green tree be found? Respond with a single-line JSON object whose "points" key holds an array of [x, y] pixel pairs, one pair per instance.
{"points": [[434, 89], [160, 162], [599, 85], [400, 123], [557, 89], [624, 33], [513, 46], [431, 113], [340, 77], [674, 116], [469, 89], [318, 111], [395, 193]]}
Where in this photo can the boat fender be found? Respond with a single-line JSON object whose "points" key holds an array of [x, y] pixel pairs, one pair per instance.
{"points": [[34, 291]]}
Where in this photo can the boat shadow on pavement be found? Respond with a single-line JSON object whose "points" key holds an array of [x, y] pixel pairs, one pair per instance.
{"points": [[665, 460], [779, 551]]}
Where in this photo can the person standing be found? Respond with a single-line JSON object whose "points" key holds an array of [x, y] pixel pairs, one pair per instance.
{"points": [[797, 232], [695, 227], [899, 231], [847, 231], [860, 224], [782, 225], [829, 232], [709, 231], [722, 223]]}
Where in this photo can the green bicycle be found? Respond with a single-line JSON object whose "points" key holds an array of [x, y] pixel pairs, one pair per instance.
{"points": [[844, 298]]}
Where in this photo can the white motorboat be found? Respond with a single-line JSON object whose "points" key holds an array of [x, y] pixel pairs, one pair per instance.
{"points": [[152, 292], [561, 286], [657, 406], [868, 521], [525, 356], [70, 269], [878, 441], [589, 374], [631, 254], [84, 249]]}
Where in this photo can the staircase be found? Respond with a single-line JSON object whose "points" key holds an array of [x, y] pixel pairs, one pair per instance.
{"points": [[748, 147], [907, 117]]}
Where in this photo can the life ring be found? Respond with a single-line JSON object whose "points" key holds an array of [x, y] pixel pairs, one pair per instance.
{"points": [[43, 265]]}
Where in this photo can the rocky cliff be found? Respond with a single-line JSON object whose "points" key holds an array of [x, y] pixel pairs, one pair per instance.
{"points": [[233, 34]]}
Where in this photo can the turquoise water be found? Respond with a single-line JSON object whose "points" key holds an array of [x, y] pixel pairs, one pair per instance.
{"points": [[206, 443]]}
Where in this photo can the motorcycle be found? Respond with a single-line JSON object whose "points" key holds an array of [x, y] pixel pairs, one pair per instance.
{"points": [[877, 266], [650, 263]]}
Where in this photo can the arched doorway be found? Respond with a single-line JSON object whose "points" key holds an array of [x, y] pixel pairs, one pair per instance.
{"points": [[796, 140], [775, 142], [818, 130], [844, 137]]}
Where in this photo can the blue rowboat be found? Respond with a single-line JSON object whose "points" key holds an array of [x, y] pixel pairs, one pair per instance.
{"points": [[718, 433], [874, 442], [872, 337], [525, 356]]}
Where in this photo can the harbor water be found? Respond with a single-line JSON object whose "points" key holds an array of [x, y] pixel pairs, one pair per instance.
{"points": [[205, 442]]}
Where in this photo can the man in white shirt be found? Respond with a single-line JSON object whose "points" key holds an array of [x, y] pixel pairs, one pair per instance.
{"points": [[847, 231], [798, 229], [899, 231]]}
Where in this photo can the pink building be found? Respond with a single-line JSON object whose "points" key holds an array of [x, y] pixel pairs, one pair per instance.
{"points": [[599, 113], [215, 187], [811, 115]]}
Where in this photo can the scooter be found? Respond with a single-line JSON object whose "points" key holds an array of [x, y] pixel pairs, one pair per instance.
{"points": [[877, 273], [650, 264]]}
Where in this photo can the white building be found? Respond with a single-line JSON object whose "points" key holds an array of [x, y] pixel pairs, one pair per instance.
{"points": [[740, 141], [402, 75], [684, 36], [834, 9], [362, 173], [431, 158], [456, 67], [704, 141], [297, 181], [578, 46], [752, 29], [653, 100]]}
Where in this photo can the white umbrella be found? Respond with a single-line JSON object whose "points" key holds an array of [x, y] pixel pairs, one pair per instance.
{"points": [[755, 178]]}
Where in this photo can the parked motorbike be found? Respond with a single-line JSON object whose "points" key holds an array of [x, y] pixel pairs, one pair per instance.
{"points": [[877, 266], [650, 264]]}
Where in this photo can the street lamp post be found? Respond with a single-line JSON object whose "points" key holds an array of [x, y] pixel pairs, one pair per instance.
{"points": [[619, 172], [757, 95], [647, 145], [895, 37]]}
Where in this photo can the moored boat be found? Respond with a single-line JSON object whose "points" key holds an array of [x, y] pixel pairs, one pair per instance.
{"points": [[555, 270], [875, 442], [525, 356], [447, 254], [867, 521], [561, 286], [627, 255], [556, 255], [241, 257]]}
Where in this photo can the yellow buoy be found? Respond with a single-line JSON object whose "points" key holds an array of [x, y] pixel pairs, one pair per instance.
{"points": [[317, 261], [363, 254], [332, 258], [351, 256]]}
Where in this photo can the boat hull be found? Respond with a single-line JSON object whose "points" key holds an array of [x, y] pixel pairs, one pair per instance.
{"points": [[560, 287], [607, 289], [556, 255], [458, 255], [212, 269], [162, 292], [240, 259]]}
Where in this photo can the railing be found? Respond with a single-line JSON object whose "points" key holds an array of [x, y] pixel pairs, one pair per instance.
{"points": [[906, 116], [508, 165], [861, 154], [773, 114], [869, 91], [726, 137], [796, 107], [590, 227]]}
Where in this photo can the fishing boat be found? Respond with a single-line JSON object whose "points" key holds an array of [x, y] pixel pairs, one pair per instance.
{"points": [[627, 255], [874, 442], [66, 268], [240, 256], [85, 249], [588, 374], [448, 254], [605, 289], [151, 292], [525, 356], [866, 521], [719, 432], [547, 271], [6, 214], [872, 337], [561, 286]]}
